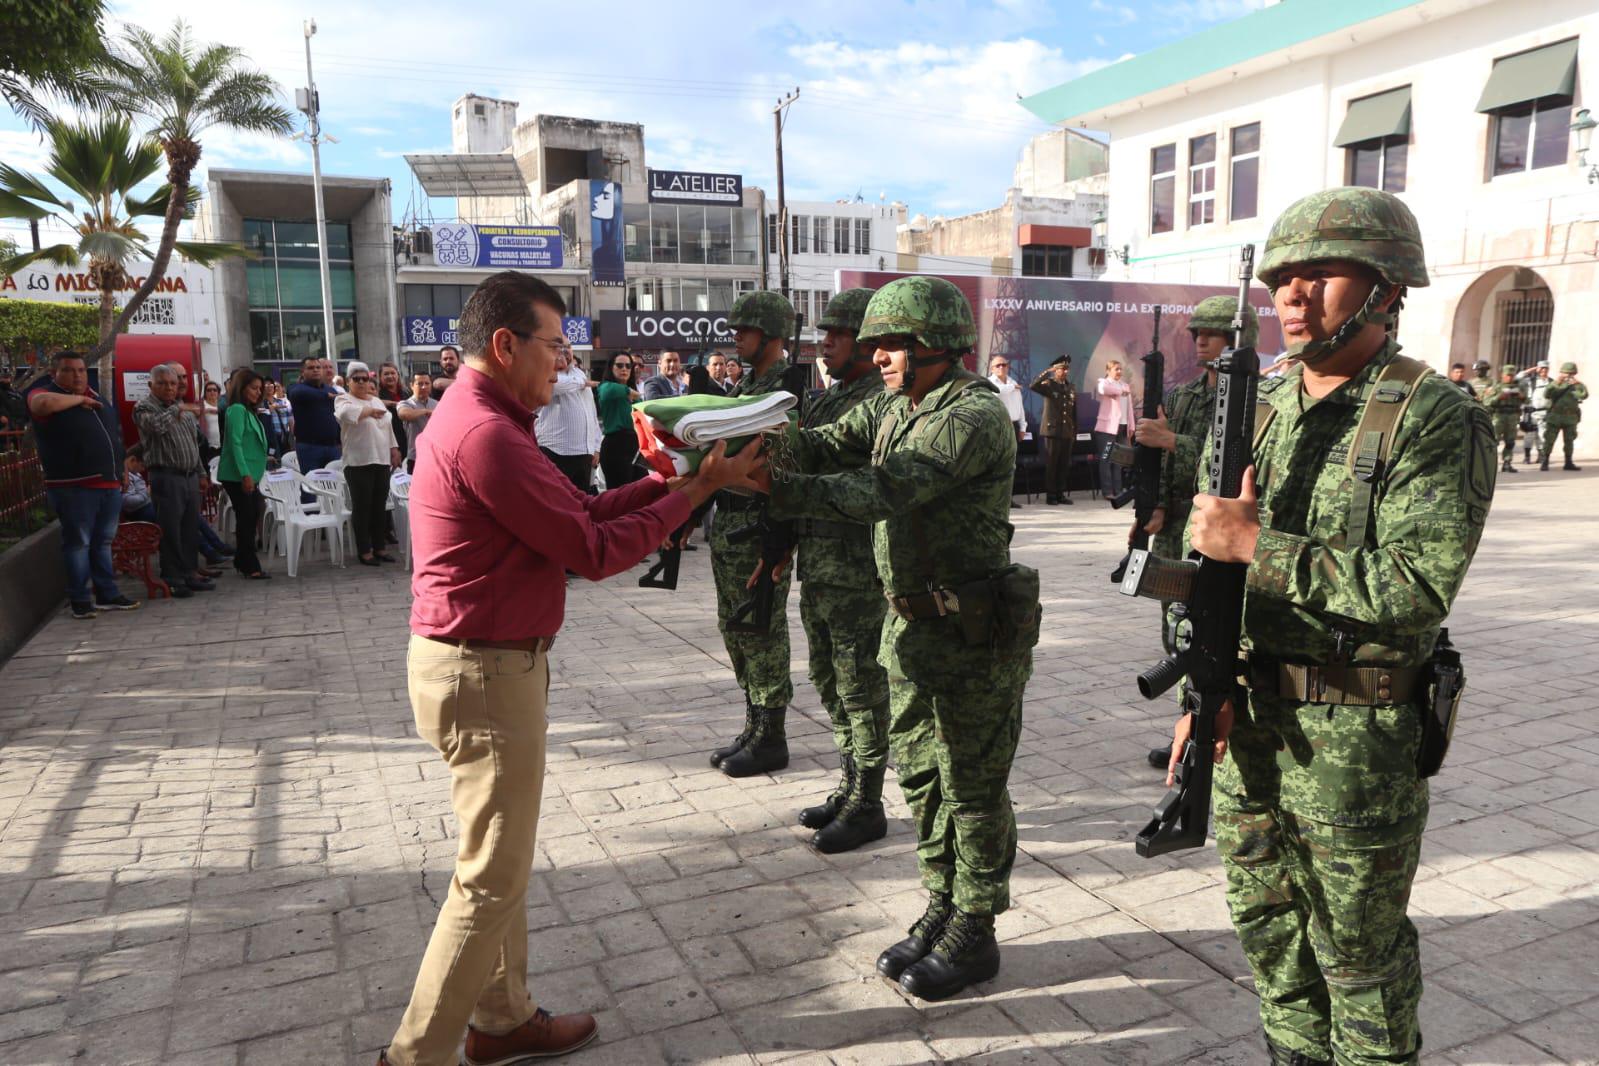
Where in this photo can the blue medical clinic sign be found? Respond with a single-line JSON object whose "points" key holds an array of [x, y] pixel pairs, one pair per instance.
{"points": [[463, 244], [439, 330]]}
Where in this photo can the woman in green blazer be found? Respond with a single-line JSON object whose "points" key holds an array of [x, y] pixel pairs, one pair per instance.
{"points": [[244, 453]]}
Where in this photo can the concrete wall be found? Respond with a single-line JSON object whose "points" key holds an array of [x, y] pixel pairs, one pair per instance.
{"points": [[1053, 162], [33, 585], [487, 132]]}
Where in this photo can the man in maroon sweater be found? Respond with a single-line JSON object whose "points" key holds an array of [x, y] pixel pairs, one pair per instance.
{"points": [[494, 527]]}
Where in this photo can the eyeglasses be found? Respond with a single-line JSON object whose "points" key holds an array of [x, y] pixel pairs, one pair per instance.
{"points": [[359, 378], [559, 343]]}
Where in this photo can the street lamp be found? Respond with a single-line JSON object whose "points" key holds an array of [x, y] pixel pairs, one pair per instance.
{"points": [[1583, 127], [1101, 235]]}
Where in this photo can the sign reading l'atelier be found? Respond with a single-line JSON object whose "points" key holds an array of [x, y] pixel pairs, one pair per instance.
{"points": [[692, 187]]}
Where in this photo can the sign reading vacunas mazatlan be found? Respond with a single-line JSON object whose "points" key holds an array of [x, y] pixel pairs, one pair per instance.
{"points": [[688, 187], [462, 244]]}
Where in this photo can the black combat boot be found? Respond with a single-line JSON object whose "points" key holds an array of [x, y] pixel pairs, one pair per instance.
{"points": [[914, 948], [860, 821], [1506, 468], [819, 815], [767, 747], [1281, 1056], [965, 953], [1051, 499], [1544, 463], [1571, 466], [742, 739], [1160, 758]]}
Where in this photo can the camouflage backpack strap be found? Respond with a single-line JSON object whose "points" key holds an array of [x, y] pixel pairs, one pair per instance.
{"points": [[924, 550], [1374, 438]]}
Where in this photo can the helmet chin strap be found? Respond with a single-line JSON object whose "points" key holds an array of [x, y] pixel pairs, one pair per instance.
{"points": [[1313, 352], [911, 363]]}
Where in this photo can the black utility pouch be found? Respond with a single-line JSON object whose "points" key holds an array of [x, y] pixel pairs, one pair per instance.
{"points": [[1446, 680], [1004, 612]]}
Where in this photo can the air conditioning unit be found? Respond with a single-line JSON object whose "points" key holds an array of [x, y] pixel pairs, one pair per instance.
{"points": [[422, 242]]}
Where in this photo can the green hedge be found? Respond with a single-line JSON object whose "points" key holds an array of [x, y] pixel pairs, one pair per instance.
{"points": [[27, 325]]}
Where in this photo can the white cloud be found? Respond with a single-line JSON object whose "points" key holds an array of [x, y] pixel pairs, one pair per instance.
{"points": [[1181, 16], [1120, 14]]}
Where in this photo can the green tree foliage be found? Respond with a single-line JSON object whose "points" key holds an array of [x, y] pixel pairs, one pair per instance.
{"points": [[51, 47], [27, 326]]}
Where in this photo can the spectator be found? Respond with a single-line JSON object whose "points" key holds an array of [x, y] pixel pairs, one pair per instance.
{"points": [[316, 431], [415, 413], [279, 422], [1010, 393], [391, 390], [171, 437], [137, 506], [449, 366], [13, 409], [371, 451], [1058, 428], [1457, 377], [243, 464], [1114, 421], [567, 427], [717, 366], [668, 380], [211, 422], [735, 374], [80, 448], [618, 440]]}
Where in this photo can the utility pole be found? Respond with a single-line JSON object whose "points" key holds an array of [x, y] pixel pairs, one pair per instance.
{"points": [[782, 206], [308, 103]]}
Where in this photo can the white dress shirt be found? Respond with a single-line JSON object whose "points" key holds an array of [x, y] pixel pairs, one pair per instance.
{"points": [[1010, 394], [569, 423], [366, 441]]}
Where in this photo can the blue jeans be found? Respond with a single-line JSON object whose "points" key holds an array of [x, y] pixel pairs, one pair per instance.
{"points": [[88, 525], [316, 456]]}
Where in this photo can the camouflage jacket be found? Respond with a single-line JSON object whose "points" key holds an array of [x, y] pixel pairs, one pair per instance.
{"points": [[1565, 403], [1482, 387], [1505, 400], [935, 481], [753, 384], [1189, 410], [838, 553], [1390, 594]]}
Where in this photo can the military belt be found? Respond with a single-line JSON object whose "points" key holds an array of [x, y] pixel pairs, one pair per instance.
{"points": [[1351, 686], [817, 527], [736, 501], [919, 606]]}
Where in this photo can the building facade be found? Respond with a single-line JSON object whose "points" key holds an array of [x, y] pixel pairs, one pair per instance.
{"points": [[1463, 108], [824, 238]]}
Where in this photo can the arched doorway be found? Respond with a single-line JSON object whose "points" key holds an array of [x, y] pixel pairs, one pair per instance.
{"points": [[1503, 317]]}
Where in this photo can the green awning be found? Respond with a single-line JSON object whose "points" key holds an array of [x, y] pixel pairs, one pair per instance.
{"points": [[1384, 115], [1532, 75]]}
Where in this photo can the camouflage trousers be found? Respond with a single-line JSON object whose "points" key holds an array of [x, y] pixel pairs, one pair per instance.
{"points": [[955, 720], [843, 627], [1551, 433], [1168, 543], [1508, 430], [760, 660]]}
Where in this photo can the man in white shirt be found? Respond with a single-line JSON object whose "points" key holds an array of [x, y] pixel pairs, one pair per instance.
{"points": [[568, 427], [1010, 393], [414, 411]]}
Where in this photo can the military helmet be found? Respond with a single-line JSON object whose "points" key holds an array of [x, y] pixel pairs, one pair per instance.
{"points": [[1568, 368], [1366, 226], [770, 312], [846, 310], [1216, 312], [930, 309], [1482, 366]]}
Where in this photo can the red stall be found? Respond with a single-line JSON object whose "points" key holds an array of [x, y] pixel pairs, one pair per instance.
{"points": [[136, 355]]}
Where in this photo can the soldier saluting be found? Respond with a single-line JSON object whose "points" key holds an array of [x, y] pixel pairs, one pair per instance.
{"points": [[1356, 544], [928, 462]]}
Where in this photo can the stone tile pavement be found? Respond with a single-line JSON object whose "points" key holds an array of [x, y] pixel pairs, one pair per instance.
{"points": [[222, 844]]}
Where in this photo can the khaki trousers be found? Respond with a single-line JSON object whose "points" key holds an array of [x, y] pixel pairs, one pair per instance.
{"points": [[484, 710]]}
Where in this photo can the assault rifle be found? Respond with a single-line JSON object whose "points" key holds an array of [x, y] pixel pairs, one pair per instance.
{"points": [[1144, 492], [1209, 599]]}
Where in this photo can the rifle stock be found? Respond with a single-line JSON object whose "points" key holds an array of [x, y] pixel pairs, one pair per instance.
{"points": [[1212, 597], [1144, 494], [754, 615]]}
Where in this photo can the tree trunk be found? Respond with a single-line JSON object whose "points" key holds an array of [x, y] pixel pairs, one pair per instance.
{"points": [[108, 313]]}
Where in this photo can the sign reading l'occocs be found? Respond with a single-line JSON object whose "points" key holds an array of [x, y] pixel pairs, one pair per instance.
{"points": [[664, 328], [690, 187]]}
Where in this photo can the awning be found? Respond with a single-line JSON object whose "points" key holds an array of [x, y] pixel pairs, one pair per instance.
{"points": [[468, 174], [1532, 75], [1384, 115]]}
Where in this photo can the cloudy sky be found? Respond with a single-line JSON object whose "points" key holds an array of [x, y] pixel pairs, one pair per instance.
{"points": [[911, 99]]}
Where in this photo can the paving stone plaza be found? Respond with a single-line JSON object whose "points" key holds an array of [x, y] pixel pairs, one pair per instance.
{"points": [[222, 844]]}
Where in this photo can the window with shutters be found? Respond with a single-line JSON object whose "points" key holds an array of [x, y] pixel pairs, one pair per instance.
{"points": [[841, 236], [1202, 180], [863, 236], [1162, 188], [1243, 192]]}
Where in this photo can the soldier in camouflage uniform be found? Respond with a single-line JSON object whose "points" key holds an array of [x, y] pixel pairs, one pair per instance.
{"points": [[929, 463], [1319, 805], [1565, 411], [760, 322], [1504, 401], [842, 608], [1483, 383]]}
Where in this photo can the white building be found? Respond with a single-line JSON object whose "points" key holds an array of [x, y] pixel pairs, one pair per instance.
{"points": [[825, 237], [1461, 107]]}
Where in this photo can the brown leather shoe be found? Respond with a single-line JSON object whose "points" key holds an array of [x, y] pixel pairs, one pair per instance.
{"points": [[542, 1036]]}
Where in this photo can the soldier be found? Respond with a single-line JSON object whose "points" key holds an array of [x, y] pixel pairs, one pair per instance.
{"points": [[1058, 427], [760, 321], [842, 608], [1504, 402], [1319, 803], [1483, 382], [1535, 387], [929, 463], [1565, 411]]}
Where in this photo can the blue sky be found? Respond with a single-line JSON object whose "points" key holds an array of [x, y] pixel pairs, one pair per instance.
{"points": [[915, 101]]}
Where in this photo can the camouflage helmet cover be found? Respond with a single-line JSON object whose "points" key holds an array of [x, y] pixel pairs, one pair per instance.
{"points": [[1367, 226], [1568, 368], [846, 310], [770, 312], [930, 309], [1507, 371], [1216, 312]]}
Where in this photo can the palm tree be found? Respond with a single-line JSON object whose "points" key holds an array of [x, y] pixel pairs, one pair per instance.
{"points": [[98, 166], [184, 89]]}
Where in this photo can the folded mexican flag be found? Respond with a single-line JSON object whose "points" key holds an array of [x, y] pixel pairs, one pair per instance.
{"points": [[674, 434]]}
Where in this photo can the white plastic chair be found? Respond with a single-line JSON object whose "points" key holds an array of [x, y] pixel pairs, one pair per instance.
{"points": [[400, 502], [333, 497], [337, 466], [291, 461], [297, 522], [274, 517], [225, 516]]}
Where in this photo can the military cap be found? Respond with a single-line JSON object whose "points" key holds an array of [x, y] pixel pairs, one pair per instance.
{"points": [[1367, 226], [1216, 312], [770, 312], [1507, 371], [846, 310], [1568, 368], [930, 309]]}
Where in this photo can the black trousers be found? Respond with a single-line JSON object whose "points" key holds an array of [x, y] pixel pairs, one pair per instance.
{"points": [[369, 498], [1057, 465], [579, 469], [246, 516], [1110, 475], [618, 450], [176, 496]]}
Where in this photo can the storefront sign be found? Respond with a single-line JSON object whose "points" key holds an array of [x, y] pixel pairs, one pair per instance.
{"points": [[424, 330], [605, 230], [579, 331], [181, 303], [462, 244], [665, 329], [688, 187]]}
